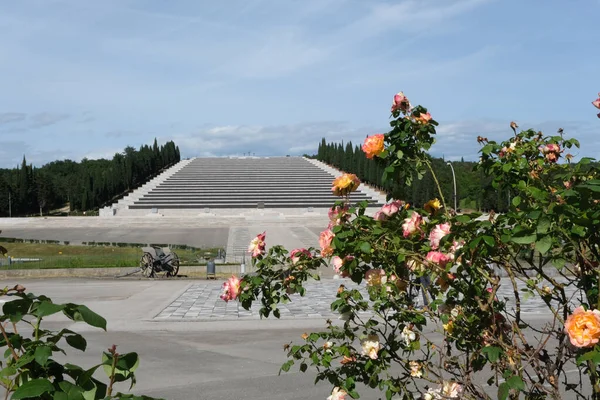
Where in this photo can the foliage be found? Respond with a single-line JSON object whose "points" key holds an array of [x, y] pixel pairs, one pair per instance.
{"points": [[474, 190], [465, 341], [30, 370], [87, 185]]}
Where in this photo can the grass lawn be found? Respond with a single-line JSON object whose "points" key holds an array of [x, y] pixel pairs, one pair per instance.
{"points": [[69, 256]]}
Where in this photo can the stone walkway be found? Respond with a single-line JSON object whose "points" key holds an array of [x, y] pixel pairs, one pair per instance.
{"points": [[201, 302]]}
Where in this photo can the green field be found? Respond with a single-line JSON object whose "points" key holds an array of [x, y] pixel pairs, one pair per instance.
{"points": [[90, 256]]}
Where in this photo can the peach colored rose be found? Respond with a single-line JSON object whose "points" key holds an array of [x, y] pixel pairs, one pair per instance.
{"points": [[400, 103], [325, 242], [347, 360], [231, 288], [375, 277], [412, 224], [415, 369], [297, 254], [451, 389], [583, 327], [257, 245], [438, 233], [337, 263], [337, 394], [423, 118], [373, 145], [345, 184], [371, 346]]}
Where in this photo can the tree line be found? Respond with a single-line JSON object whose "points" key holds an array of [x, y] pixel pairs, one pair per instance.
{"points": [[84, 186], [474, 191]]}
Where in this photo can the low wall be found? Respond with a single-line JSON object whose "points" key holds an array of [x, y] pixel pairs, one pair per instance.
{"points": [[191, 271]]}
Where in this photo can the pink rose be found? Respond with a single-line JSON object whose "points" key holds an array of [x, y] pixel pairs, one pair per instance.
{"points": [[338, 263], [596, 102], [455, 247], [325, 242], [400, 103], [297, 254], [551, 151], [388, 210], [379, 216], [437, 257], [438, 233], [392, 208], [231, 288], [257, 245], [412, 224]]}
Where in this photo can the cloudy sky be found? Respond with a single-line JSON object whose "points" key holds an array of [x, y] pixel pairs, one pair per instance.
{"points": [[85, 78]]}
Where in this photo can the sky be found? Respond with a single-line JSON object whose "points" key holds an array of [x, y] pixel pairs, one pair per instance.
{"points": [[84, 78]]}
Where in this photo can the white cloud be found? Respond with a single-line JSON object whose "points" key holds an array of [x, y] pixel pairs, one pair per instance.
{"points": [[293, 139]]}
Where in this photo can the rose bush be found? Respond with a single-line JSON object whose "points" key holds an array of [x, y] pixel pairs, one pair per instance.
{"points": [[30, 369], [467, 341]]}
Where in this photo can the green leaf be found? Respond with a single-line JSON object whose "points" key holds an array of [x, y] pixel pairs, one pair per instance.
{"points": [[15, 309], [46, 308], [516, 201], [503, 391], [286, 367], [515, 382], [527, 239], [60, 396], [489, 240], [77, 341], [493, 352], [33, 388], [8, 371], [543, 224], [42, 354], [544, 244], [463, 219], [593, 355], [365, 247], [91, 318]]}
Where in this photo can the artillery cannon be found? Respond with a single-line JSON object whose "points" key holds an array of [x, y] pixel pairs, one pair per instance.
{"points": [[159, 261]]}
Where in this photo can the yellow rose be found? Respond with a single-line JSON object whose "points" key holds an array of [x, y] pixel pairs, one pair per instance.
{"points": [[345, 184], [432, 206]]}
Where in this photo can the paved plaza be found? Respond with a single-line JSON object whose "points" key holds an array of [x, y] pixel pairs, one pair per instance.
{"points": [[193, 345], [201, 302]]}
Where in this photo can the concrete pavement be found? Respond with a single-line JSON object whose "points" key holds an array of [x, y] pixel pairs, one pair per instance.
{"points": [[227, 357]]}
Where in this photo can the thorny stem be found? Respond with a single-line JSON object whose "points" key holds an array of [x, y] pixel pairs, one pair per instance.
{"points": [[112, 375], [10, 346]]}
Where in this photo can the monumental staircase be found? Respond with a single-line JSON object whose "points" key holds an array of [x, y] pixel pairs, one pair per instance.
{"points": [[232, 184]]}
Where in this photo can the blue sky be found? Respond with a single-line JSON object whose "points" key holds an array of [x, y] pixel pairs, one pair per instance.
{"points": [[83, 78]]}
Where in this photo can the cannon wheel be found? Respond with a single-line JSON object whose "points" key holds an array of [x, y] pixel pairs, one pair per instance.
{"points": [[174, 265], [147, 265]]}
